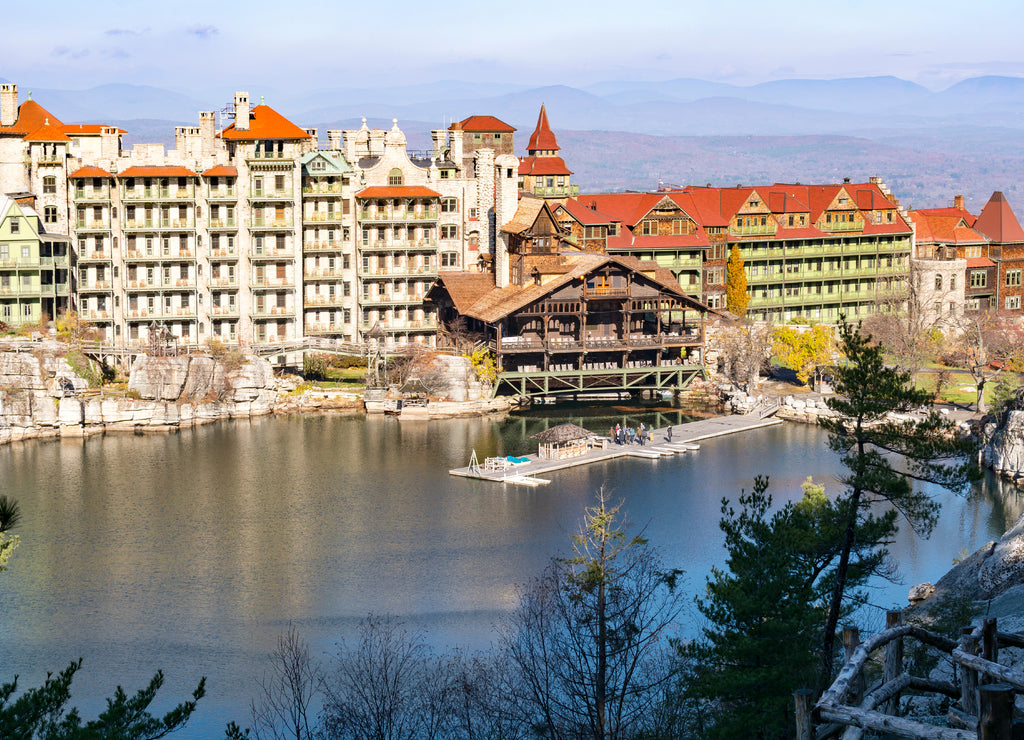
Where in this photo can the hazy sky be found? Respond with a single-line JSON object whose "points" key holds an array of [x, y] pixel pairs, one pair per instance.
{"points": [[197, 47]]}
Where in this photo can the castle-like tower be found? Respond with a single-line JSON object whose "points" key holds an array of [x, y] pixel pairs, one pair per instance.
{"points": [[542, 172]]}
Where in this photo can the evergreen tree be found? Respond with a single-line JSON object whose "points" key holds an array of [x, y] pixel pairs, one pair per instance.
{"points": [[766, 609], [736, 298], [885, 457]]}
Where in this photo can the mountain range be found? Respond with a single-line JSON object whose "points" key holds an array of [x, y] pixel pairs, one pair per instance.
{"points": [[629, 134]]}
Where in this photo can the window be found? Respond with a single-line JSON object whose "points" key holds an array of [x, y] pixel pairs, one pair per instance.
{"points": [[279, 182], [649, 228], [449, 259], [49, 184], [473, 214], [952, 282], [979, 278], [50, 214], [791, 219], [938, 282], [448, 231], [15, 226], [395, 177], [25, 252], [449, 205], [1013, 277], [1013, 302]]}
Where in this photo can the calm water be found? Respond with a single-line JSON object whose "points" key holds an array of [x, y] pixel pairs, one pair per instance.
{"points": [[191, 552]]}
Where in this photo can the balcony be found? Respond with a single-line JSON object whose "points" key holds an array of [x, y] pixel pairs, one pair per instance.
{"points": [[88, 315], [322, 246], [93, 256], [325, 300], [556, 191], [325, 328], [166, 224], [400, 214], [554, 345], [144, 314], [398, 272], [591, 293], [224, 311], [92, 195], [98, 286], [269, 312], [321, 188], [231, 254], [221, 194], [160, 286], [136, 256], [157, 194], [323, 274], [384, 245], [270, 224], [271, 194], [397, 299], [843, 226], [330, 217], [220, 224], [92, 225], [272, 254], [767, 229], [271, 283], [398, 325], [224, 282], [265, 155]]}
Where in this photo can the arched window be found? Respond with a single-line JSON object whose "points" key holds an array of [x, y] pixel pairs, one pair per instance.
{"points": [[952, 282], [938, 282], [395, 177]]}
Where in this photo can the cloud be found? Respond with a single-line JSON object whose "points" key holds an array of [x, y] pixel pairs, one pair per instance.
{"points": [[69, 53], [203, 32], [121, 32], [116, 53]]}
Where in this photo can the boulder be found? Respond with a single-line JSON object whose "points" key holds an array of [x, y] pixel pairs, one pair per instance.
{"points": [[920, 592]]}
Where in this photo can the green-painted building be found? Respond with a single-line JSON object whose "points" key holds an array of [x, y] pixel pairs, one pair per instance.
{"points": [[35, 266]]}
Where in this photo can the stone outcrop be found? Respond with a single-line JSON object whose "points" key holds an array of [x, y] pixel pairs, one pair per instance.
{"points": [[40, 395], [1004, 451]]}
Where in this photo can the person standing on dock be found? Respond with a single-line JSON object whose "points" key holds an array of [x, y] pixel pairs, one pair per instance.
{"points": [[669, 432]]}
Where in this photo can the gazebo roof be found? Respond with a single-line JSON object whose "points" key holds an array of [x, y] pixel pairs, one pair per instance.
{"points": [[562, 433]]}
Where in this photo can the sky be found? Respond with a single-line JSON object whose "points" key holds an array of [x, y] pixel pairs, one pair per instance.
{"points": [[208, 47]]}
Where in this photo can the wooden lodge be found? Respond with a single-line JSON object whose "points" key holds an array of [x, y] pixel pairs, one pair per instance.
{"points": [[562, 321], [563, 441]]}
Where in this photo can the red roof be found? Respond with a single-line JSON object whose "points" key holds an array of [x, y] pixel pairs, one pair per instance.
{"points": [[980, 262], [158, 171], [47, 132], [543, 166], [31, 116], [944, 227], [221, 170], [265, 123], [997, 221], [542, 138], [397, 191], [586, 216], [88, 129], [90, 171], [483, 123]]}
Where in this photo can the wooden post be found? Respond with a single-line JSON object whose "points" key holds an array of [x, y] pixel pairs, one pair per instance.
{"points": [[996, 719], [804, 700], [989, 646], [893, 666], [851, 639], [969, 676]]}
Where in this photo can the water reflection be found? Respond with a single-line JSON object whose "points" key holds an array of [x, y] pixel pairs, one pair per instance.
{"points": [[191, 551]]}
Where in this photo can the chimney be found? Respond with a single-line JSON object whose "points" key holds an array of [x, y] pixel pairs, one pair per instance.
{"points": [[8, 104], [456, 153], [241, 111], [207, 131], [334, 139], [958, 201], [846, 180]]}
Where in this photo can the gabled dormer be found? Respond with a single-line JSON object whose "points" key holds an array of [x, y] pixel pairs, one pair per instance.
{"points": [[665, 218]]}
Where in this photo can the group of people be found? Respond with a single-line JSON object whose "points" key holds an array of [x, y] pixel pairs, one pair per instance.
{"points": [[629, 435]]}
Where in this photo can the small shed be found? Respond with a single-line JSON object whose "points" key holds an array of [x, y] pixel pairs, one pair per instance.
{"points": [[562, 441]]}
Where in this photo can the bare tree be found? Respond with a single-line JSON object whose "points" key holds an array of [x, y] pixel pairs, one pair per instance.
{"points": [[284, 708], [908, 326], [985, 344], [745, 347], [387, 685], [589, 636]]}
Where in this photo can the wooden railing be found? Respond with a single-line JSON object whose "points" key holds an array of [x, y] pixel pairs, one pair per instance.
{"points": [[984, 697]]}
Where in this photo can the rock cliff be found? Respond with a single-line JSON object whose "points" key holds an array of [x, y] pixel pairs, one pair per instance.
{"points": [[40, 395]]}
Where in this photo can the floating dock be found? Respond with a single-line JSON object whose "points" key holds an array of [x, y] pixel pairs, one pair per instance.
{"points": [[684, 439]]}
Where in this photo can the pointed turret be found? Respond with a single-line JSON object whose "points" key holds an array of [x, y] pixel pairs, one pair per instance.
{"points": [[542, 140], [998, 222]]}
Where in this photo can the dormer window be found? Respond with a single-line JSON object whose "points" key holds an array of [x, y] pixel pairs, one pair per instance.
{"points": [[395, 177]]}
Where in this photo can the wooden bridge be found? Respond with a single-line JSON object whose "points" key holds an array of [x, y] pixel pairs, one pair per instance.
{"points": [[575, 382]]}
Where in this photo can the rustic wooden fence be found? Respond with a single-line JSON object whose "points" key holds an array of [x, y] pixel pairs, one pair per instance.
{"points": [[982, 691]]}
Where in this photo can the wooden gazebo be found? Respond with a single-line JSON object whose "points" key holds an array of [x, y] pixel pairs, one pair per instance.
{"points": [[562, 441]]}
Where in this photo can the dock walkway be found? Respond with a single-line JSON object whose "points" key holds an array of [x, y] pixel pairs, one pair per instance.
{"points": [[684, 438]]}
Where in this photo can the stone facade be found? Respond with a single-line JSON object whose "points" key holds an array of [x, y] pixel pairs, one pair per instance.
{"points": [[238, 234]]}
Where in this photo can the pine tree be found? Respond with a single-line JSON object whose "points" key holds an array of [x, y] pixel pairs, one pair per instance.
{"points": [[885, 457], [765, 610], [736, 297]]}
